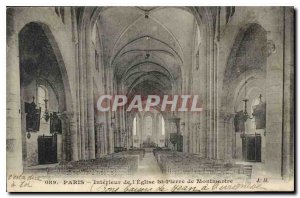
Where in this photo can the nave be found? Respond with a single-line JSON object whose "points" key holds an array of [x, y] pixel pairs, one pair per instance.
{"points": [[153, 163], [238, 61], [149, 167]]}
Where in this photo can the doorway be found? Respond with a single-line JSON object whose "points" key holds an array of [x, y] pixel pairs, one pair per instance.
{"points": [[47, 149], [252, 148]]}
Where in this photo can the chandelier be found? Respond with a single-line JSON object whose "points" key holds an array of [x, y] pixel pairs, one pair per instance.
{"points": [[46, 115], [246, 116]]}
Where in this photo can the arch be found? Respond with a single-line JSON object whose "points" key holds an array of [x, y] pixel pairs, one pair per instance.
{"points": [[139, 74], [140, 64], [232, 91], [233, 84], [42, 95], [90, 16], [151, 77], [45, 83], [141, 39], [53, 36], [250, 32], [203, 15], [49, 76], [65, 99], [238, 70]]}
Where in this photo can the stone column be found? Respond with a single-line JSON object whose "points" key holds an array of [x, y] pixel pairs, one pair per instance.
{"points": [[229, 137], [210, 94], [274, 92], [167, 132], [73, 137], [65, 153], [203, 135], [13, 112], [221, 138], [69, 136], [81, 97], [288, 111], [129, 130], [90, 63], [158, 129], [189, 131], [197, 130], [141, 131], [185, 134], [101, 139], [98, 139], [77, 75], [193, 136], [110, 134], [195, 139], [173, 127], [154, 127]]}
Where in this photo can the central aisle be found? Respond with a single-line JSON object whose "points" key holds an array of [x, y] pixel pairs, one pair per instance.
{"points": [[149, 166]]}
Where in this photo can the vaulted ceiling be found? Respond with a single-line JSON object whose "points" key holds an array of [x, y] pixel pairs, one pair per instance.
{"points": [[147, 46], [38, 61], [248, 52]]}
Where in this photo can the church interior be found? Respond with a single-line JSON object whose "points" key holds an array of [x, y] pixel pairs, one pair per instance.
{"points": [[238, 60]]}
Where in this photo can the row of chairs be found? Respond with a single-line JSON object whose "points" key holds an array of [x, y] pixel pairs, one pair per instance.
{"points": [[122, 163], [178, 163]]}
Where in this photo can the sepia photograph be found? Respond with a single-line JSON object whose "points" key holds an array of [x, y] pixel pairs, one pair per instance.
{"points": [[150, 99]]}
